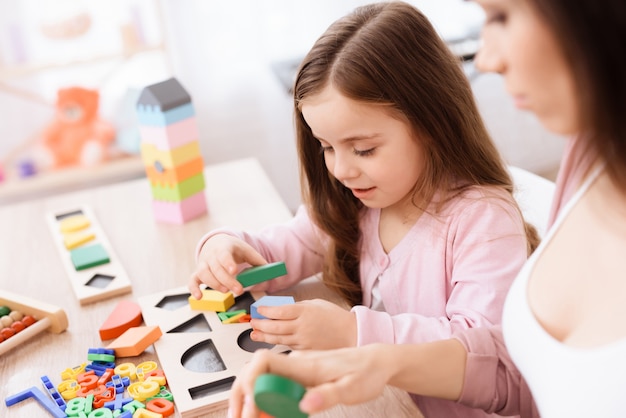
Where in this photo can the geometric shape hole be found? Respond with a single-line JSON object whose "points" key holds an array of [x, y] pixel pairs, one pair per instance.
{"points": [[158, 166], [196, 324], [203, 358], [173, 302], [209, 389], [100, 281], [248, 345], [68, 214], [242, 301]]}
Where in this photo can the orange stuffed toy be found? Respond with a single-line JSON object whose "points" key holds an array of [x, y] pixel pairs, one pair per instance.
{"points": [[77, 136]]}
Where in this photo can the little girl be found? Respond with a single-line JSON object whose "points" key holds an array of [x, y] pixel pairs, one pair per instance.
{"points": [[408, 210]]}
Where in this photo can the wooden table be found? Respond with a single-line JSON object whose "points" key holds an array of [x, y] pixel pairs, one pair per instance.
{"points": [[156, 257]]}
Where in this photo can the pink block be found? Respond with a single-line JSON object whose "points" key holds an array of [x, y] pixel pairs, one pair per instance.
{"points": [[180, 212], [170, 136]]}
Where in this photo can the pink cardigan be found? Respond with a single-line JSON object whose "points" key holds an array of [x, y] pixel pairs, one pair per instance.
{"points": [[449, 273]]}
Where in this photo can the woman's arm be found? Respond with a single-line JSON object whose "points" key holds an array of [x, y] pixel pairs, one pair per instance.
{"points": [[355, 375]]}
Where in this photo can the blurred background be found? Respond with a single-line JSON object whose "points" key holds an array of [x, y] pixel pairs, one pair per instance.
{"points": [[235, 58]]}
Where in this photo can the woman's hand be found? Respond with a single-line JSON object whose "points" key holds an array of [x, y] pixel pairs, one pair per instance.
{"points": [[346, 376], [218, 264], [310, 324]]}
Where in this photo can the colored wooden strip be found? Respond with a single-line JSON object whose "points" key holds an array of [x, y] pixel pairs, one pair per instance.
{"points": [[170, 136], [169, 158], [180, 191], [149, 115], [180, 212], [169, 177]]}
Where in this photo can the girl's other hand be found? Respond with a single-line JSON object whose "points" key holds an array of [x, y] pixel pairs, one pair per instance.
{"points": [[218, 264]]}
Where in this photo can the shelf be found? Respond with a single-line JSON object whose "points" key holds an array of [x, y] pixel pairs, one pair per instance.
{"points": [[8, 73], [69, 179]]}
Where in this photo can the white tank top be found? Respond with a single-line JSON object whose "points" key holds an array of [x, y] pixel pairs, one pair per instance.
{"points": [[565, 381]]}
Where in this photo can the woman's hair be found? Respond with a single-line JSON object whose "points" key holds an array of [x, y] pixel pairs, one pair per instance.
{"points": [[389, 53], [591, 34]]}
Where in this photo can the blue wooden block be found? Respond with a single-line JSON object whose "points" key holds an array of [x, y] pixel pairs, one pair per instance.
{"points": [[151, 116], [269, 301]]}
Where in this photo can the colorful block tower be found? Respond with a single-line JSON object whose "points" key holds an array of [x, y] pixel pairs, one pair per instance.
{"points": [[171, 152]]}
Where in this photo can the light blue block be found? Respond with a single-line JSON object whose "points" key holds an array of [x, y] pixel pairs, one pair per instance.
{"points": [[153, 116], [269, 301]]}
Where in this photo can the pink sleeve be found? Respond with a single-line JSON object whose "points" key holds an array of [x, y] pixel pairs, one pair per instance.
{"points": [[298, 243], [492, 382]]}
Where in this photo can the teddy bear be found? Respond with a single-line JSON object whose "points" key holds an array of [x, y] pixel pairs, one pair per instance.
{"points": [[77, 136]]}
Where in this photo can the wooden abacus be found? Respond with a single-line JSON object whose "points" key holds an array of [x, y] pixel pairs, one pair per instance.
{"points": [[49, 317]]}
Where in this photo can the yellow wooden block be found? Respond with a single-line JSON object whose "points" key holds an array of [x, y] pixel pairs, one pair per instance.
{"points": [[74, 223], [171, 158], [72, 240], [212, 300]]}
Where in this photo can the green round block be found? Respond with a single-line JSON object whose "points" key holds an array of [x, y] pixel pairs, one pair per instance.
{"points": [[4, 310], [279, 396]]}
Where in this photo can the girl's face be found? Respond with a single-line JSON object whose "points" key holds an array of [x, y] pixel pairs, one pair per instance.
{"points": [[371, 152], [520, 46]]}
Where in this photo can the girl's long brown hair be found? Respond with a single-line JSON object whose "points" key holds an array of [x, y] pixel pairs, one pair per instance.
{"points": [[389, 53]]}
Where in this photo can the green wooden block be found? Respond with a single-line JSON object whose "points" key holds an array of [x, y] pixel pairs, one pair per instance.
{"points": [[258, 274], [87, 257], [229, 314], [180, 191], [279, 396]]}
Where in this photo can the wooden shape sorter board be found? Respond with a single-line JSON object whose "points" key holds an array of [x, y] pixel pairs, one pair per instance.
{"points": [[200, 355], [92, 265]]}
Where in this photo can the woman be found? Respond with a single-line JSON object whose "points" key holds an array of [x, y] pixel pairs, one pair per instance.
{"points": [[561, 350]]}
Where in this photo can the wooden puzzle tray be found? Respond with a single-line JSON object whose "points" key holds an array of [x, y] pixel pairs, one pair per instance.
{"points": [[198, 353], [91, 263]]}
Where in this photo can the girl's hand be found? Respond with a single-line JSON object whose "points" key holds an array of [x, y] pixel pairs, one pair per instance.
{"points": [[218, 264], [348, 376], [310, 324]]}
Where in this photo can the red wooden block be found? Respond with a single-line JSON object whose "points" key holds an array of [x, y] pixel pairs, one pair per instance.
{"points": [[126, 314]]}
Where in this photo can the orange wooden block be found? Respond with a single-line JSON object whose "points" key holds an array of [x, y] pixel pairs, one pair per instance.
{"points": [[127, 314], [135, 341], [169, 177]]}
